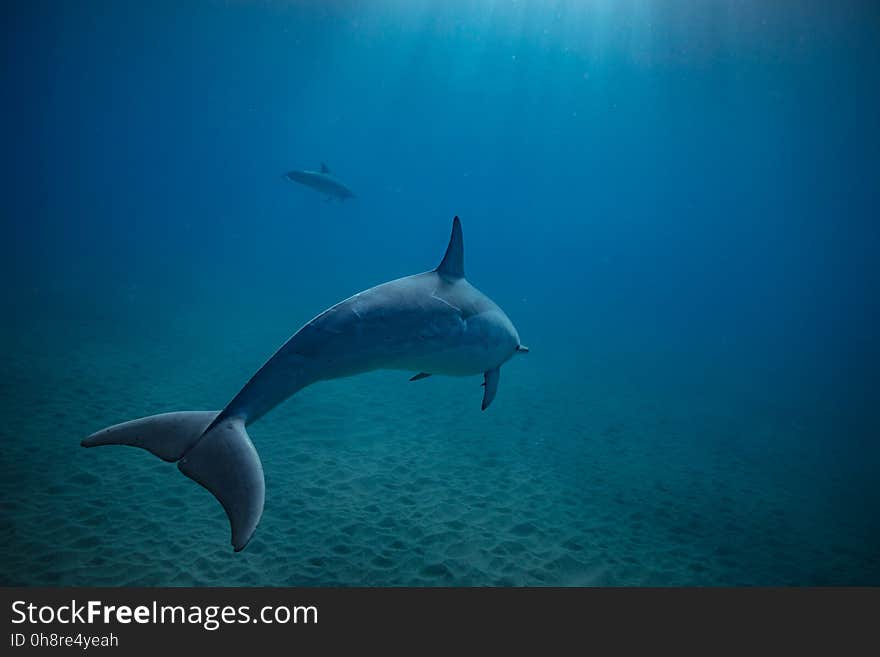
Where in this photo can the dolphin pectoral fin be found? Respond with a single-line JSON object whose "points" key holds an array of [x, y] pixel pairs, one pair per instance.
{"points": [[490, 383], [420, 375]]}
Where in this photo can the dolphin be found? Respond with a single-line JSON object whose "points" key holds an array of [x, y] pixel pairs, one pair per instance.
{"points": [[322, 181], [435, 322]]}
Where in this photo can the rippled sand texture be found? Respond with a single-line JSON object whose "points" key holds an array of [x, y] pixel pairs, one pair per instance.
{"points": [[575, 476]]}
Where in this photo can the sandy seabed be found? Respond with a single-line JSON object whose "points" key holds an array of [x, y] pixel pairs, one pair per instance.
{"points": [[572, 477]]}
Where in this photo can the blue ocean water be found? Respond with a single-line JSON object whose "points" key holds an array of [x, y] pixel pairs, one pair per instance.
{"points": [[675, 202]]}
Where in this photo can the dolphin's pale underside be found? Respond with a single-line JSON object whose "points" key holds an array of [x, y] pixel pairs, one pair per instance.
{"points": [[435, 322]]}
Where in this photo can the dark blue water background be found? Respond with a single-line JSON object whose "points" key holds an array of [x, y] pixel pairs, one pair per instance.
{"points": [[675, 202]]}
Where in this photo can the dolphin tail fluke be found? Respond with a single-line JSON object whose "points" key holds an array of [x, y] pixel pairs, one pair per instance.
{"points": [[220, 457]]}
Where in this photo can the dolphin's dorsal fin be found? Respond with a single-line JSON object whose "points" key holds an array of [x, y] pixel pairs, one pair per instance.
{"points": [[452, 265], [324, 168]]}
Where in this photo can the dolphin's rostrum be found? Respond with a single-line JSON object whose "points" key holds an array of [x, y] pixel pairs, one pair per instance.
{"points": [[435, 322], [322, 181]]}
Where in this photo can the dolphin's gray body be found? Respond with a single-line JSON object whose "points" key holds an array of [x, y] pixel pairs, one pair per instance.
{"points": [[321, 181], [431, 323]]}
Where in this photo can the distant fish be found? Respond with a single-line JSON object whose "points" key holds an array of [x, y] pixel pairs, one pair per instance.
{"points": [[322, 181], [431, 323]]}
